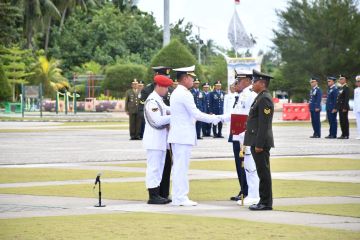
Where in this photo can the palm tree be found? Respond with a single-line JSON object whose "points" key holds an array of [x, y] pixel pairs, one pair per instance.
{"points": [[36, 12], [49, 74], [65, 5]]}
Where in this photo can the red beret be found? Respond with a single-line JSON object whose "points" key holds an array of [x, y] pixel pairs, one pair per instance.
{"points": [[163, 81]]}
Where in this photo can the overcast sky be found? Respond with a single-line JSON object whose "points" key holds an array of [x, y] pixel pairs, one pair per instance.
{"points": [[213, 16]]}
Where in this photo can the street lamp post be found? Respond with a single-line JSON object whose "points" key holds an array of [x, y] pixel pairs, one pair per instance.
{"points": [[166, 35]]}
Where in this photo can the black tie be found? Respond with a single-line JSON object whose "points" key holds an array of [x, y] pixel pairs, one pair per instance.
{"points": [[236, 100]]}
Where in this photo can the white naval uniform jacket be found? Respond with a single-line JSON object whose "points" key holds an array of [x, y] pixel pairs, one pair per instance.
{"points": [[155, 139], [183, 116]]}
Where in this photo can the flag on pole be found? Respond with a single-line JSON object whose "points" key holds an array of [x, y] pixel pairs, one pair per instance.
{"points": [[237, 2], [237, 34]]}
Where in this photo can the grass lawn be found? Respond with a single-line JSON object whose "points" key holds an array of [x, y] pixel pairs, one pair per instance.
{"points": [[200, 190], [13, 175], [349, 210], [158, 226], [287, 164], [277, 164]]}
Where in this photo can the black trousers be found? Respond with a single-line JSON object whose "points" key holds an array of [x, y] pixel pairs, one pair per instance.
{"points": [[198, 129], [217, 129], [206, 129], [165, 180], [240, 168], [262, 162], [134, 125], [344, 123], [142, 125]]}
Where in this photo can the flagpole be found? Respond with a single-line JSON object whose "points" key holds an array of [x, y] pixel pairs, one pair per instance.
{"points": [[235, 31]]}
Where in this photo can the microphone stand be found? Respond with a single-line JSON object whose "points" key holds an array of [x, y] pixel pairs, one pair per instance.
{"points": [[98, 181]]}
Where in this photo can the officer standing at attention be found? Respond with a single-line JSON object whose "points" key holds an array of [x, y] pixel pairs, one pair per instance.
{"points": [[315, 107], [199, 102], [217, 107], [206, 127], [131, 108], [342, 105], [259, 137], [155, 137], [165, 180], [182, 134], [331, 110]]}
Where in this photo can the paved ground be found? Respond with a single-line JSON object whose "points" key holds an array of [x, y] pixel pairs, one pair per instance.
{"points": [[49, 145], [53, 144], [20, 206]]}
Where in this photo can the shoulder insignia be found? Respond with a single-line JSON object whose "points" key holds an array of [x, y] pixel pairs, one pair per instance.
{"points": [[154, 109], [267, 111]]}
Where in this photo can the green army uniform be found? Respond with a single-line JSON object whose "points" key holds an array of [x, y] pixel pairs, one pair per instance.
{"points": [[259, 134], [131, 107]]}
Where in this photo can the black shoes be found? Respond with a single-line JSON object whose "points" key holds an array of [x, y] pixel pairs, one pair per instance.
{"points": [[155, 198], [330, 137], [135, 138], [237, 197], [260, 207], [218, 136], [314, 136], [334, 137]]}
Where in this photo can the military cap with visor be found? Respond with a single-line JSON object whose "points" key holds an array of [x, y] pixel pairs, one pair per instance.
{"points": [[314, 78], [260, 76], [331, 78], [162, 70], [185, 70]]}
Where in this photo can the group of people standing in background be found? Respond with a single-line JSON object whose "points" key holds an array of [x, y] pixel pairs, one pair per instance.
{"points": [[337, 103]]}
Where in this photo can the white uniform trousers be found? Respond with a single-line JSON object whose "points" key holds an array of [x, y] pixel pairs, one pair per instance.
{"points": [[180, 168], [155, 166], [252, 177], [357, 115]]}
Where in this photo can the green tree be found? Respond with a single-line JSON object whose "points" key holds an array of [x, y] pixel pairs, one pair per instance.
{"points": [[17, 65], [319, 38], [105, 36], [118, 78], [216, 70], [5, 88], [175, 55], [10, 23], [36, 13]]}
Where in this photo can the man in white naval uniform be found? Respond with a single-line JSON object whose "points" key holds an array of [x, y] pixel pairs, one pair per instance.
{"points": [[157, 119], [182, 134], [242, 106]]}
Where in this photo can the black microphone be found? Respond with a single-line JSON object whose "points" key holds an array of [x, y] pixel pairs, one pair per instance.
{"points": [[97, 180]]}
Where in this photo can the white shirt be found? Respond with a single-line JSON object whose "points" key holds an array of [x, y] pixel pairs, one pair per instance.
{"points": [[183, 116], [155, 111], [357, 99], [229, 101]]}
